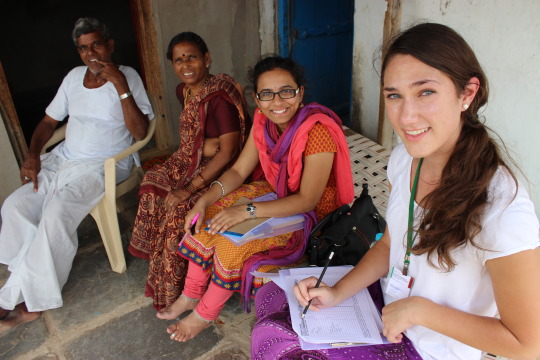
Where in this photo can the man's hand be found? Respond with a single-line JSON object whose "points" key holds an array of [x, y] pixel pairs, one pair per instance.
{"points": [[110, 72], [136, 121], [30, 169]]}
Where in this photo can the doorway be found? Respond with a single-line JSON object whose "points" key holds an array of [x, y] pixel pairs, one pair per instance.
{"points": [[318, 34], [37, 49]]}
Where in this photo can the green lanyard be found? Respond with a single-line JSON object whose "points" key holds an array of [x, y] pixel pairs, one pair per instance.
{"points": [[410, 238]]}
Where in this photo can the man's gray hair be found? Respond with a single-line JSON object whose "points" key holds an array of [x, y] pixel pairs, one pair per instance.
{"points": [[87, 25]]}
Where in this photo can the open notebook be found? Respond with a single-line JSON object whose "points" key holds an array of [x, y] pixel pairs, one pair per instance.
{"points": [[354, 322]]}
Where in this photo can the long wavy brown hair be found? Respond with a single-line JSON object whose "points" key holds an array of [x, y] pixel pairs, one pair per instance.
{"points": [[455, 208]]}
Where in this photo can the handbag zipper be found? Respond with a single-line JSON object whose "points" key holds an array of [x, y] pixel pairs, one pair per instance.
{"points": [[360, 235]]}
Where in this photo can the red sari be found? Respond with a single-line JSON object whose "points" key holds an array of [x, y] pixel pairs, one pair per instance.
{"points": [[156, 232]]}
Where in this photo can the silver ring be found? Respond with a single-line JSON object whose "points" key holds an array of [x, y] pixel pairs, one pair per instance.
{"points": [[26, 178]]}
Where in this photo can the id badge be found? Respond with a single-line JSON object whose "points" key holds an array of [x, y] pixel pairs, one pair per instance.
{"points": [[399, 285]]}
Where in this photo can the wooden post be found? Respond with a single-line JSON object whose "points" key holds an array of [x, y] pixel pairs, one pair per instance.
{"points": [[392, 23], [148, 47], [9, 114]]}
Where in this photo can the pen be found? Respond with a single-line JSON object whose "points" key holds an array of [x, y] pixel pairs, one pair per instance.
{"points": [[193, 223], [232, 233], [226, 232], [338, 344], [319, 281]]}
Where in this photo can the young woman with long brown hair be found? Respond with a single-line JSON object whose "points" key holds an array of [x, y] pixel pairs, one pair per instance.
{"points": [[460, 224]]}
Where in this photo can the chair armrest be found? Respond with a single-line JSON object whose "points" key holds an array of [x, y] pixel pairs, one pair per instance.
{"points": [[58, 135], [109, 166], [136, 146]]}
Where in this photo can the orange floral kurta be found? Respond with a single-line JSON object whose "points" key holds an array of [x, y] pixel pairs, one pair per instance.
{"points": [[223, 258]]}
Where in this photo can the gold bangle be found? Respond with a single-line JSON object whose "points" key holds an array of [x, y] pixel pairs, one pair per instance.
{"points": [[202, 179], [221, 185]]}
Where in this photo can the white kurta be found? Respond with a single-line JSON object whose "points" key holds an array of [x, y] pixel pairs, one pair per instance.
{"points": [[38, 238]]}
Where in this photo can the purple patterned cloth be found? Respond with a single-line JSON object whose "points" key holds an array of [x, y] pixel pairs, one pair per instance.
{"points": [[274, 338]]}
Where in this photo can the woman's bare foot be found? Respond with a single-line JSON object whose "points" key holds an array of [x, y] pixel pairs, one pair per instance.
{"points": [[19, 315], [177, 308], [187, 328]]}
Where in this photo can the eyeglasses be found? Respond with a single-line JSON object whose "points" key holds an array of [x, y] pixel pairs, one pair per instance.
{"points": [[96, 46], [284, 94]]}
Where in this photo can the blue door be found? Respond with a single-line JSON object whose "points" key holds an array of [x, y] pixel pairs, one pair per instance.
{"points": [[318, 34]]}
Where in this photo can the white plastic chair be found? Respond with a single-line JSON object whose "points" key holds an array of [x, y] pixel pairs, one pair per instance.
{"points": [[105, 211]]}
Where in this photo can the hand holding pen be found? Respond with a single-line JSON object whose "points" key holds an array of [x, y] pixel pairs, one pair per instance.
{"points": [[194, 222], [194, 219], [319, 282], [312, 288]]}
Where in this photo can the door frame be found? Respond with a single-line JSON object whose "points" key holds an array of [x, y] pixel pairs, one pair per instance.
{"points": [[11, 120], [283, 28]]}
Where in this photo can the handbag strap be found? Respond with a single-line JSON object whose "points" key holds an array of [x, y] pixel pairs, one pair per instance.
{"points": [[330, 217]]}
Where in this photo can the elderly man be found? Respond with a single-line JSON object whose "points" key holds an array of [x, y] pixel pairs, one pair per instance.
{"points": [[107, 107]]}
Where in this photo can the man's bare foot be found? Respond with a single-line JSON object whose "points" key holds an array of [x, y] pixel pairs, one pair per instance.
{"points": [[4, 313], [187, 328], [19, 315], [177, 308]]}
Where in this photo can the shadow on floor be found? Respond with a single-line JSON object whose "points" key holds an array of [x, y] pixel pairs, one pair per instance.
{"points": [[106, 316]]}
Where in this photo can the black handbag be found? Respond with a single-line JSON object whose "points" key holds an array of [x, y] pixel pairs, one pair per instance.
{"points": [[349, 231]]}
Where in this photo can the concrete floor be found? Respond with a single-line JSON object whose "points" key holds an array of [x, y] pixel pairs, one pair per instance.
{"points": [[106, 316]]}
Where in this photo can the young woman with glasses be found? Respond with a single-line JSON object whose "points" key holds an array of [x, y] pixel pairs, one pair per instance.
{"points": [[302, 151]]}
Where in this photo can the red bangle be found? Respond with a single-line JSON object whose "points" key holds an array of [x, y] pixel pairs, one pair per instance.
{"points": [[191, 188]]}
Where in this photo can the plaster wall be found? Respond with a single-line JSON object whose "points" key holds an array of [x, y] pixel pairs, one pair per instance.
{"points": [[9, 171], [230, 29], [267, 30], [504, 36]]}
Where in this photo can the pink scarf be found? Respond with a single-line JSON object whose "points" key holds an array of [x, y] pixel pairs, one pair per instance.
{"points": [[342, 163]]}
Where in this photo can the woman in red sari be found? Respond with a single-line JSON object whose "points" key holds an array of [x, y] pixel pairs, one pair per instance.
{"points": [[212, 129], [302, 151]]}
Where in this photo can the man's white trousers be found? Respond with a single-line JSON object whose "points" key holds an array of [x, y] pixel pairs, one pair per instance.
{"points": [[38, 238]]}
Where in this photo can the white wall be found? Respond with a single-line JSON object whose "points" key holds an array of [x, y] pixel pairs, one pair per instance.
{"points": [[368, 26], [9, 171], [504, 35], [267, 29]]}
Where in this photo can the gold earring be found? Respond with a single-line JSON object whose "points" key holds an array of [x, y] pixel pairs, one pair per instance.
{"points": [[259, 111]]}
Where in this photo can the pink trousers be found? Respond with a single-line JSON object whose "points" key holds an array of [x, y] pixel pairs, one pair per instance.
{"points": [[212, 298]]}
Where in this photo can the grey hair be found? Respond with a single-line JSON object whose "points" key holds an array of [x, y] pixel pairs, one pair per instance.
{"points": [[87, 25]]}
